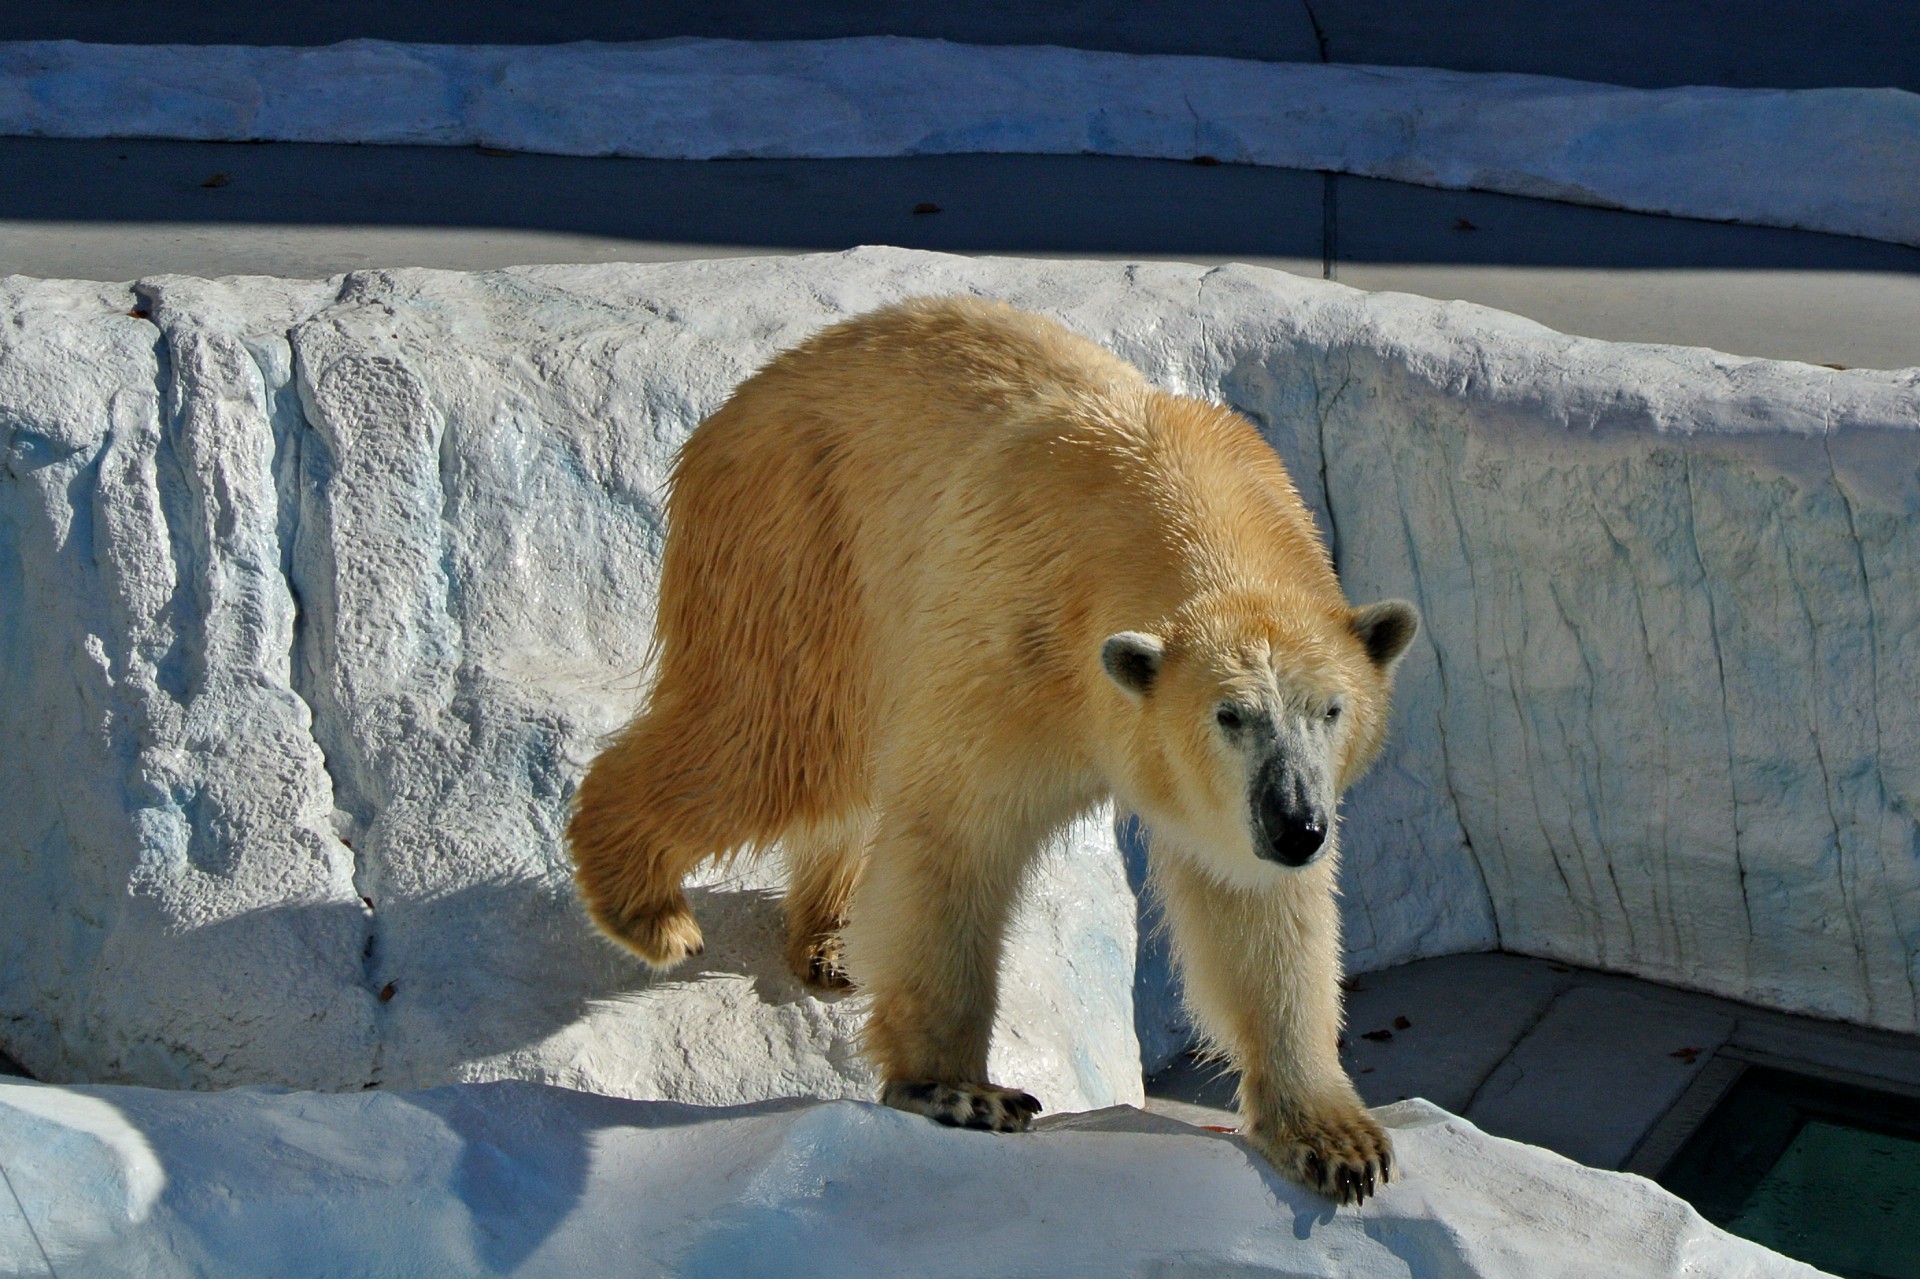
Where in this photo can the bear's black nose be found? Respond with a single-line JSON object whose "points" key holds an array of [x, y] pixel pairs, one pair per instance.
{"points": [[1295, 843], [1292, 828]]}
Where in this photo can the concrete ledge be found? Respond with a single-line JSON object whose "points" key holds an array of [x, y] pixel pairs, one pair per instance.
{"points": [[520, 1179], [1838, 160]]}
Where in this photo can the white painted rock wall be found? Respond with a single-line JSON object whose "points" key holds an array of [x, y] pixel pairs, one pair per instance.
{"points": [[326, 594], [1674, 602], [515, 1178], [379, 573]]}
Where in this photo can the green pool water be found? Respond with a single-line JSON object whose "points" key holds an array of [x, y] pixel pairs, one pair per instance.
{"points": [[1824, 1172]]}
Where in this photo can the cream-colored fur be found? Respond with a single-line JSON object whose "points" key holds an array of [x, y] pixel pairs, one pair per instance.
{"points": [[893, 559]]}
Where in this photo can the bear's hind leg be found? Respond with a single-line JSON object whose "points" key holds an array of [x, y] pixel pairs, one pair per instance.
{"points": [[824, 865], [925, 941], [647, 814]]}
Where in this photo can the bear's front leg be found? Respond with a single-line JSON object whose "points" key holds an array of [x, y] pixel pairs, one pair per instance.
{"points": [[1261, 969], [1330, 1144], [928, 923]]}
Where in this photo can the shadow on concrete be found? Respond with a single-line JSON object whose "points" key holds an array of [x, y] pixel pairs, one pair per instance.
{"points": [[601, 209], [485, 971], [536, 965], [516, 1180]]}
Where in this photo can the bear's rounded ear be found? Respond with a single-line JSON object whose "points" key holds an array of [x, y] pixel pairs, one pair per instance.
{"points": [[1132, 660], [1386, 628]]}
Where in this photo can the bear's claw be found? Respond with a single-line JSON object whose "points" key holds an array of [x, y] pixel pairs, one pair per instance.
{"points": [[1346, 1157], [824, 967], [987, 1106]]}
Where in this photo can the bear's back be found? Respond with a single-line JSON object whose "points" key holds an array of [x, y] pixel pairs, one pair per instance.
{"points": [[952, 494], [969, 353], [957, 465]]}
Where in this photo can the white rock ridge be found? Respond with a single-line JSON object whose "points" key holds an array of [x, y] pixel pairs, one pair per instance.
{"points": [[521, 1179], [1839, 160], [325, 593]]}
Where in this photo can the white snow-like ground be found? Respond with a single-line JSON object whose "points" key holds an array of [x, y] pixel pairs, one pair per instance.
{"points": [[321, 594], [521, 1179], [1837, 160]]}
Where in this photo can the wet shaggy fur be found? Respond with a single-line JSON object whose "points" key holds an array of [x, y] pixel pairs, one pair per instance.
{"points": [[895, 558]]}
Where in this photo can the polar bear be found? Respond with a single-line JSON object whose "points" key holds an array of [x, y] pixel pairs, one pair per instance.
{"points": [[941, 578]]}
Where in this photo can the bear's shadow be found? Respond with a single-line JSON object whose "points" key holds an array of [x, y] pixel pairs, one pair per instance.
{"points": [[533, 963], [575, 967], [746, 933]]}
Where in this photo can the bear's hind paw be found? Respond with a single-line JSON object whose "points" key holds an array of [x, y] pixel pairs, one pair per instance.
{"points": [[661, 935], [824, 966], [987, 1106]]}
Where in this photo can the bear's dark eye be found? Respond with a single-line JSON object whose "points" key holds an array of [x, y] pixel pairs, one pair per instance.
{"points": [[1333, 712], [1229, 717]]}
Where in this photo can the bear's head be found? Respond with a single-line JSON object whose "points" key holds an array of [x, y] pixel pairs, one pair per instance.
{"points": [[1245, 722]]}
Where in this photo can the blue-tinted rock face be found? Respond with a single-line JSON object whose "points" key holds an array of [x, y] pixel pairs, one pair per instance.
{"points": [[319, 597]]}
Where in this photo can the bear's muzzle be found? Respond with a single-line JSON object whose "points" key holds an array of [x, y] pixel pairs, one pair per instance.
{"points": [[1290, 827]]}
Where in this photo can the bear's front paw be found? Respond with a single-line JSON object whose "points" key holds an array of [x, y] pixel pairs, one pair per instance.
{"points": [[986, 1106], [1343, 1154], [662, 934]]}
